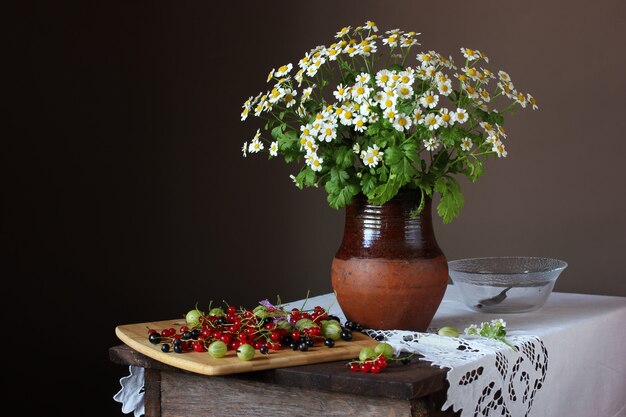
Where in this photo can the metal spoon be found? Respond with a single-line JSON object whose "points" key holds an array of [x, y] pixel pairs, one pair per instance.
{"points": [[497, 299]]}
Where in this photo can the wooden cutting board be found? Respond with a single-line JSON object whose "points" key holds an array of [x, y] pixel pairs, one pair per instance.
{"points": [[136, 337]]}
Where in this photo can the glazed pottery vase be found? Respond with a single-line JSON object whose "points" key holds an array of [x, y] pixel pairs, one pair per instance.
{"points": [[389, 273]]}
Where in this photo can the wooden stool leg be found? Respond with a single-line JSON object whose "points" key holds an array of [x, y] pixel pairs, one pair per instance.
{"points": [[152, 392]]}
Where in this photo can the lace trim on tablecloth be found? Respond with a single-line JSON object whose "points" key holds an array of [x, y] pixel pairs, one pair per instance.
{"points": [[132, 392], [486, 377]]}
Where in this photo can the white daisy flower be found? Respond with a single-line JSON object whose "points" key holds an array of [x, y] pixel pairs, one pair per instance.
{"points": [[391, 40], [363, 78], [429, 100], [244, 149], [501, 131], [328, 132], [407, 41], [352, 49], [484, 95], [508, 89], [360, 92], [341, 93], [418, 116], [425, 58], [471, 72], [367, 47], [488, 128], [492, 139], [532, 101], [289, 97], [390, 114], [299, 77], [470, 91], [373, 118], [356, 148], [407, 76], [498, 148], [470, 54], [274, 148], [347, 117], [444, 88], [371, 26], [372, 156], [466, 144], [315, 162], [255, 146], [332, 53], [275, 95], [503, 76], [460, 115], [365, 108], [402, 122], [283, 70], [360, 123], [404, 91], [432, 121], [311, 70], [383, 77], [387, 102], [521, 99], [306, 94], [431, 144], [446, 117], [343, 32]]}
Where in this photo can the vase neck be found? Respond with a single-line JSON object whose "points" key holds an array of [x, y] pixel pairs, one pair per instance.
{"points": [[389, 231]]}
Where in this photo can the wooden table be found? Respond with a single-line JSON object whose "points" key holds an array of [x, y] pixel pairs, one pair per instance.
{"points": [[326, 389]]}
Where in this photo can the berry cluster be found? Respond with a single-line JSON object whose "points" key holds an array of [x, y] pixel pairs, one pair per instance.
{"points": [[374, 360], [265, 328]]}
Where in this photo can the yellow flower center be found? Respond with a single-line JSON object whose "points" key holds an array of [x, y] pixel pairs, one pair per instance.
{"points": [[288, 97], [471, 72], [404, 91], [430, 99], [283, 69], [402, 121], [347, 115], [460, 115], [445, 117], [360, 91]]}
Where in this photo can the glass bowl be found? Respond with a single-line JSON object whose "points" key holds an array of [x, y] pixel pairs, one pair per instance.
{"points": [[505, 284]]}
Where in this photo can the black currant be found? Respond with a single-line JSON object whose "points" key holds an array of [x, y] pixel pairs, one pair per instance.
{"points": [[358, 327], [349, 325], [264, 349], [186, 336], [154, 338], [346, 335], [178, 348], [287, 340], [303, 347], [195, 333], [294, 345], [331, 317], [329, 342], [310, 342], [177, 342], [165, 347], [221, 320]]}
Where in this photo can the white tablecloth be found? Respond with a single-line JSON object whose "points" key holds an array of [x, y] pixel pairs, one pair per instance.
{"points": [[585, 338]]}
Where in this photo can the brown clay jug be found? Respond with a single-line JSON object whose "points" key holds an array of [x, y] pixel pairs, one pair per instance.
{"points": [[389, 272]]}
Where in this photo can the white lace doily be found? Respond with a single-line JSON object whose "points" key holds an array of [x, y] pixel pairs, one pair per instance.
{"points": [[486, 377], [132, 391]]}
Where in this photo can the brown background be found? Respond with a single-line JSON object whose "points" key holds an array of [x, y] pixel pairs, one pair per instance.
{"points": [[127, 198]]}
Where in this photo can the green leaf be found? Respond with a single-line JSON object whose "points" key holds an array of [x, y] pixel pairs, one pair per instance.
{"points": [[368, 183], [343, 196], [393, 155], [344, 157], [278, 131], [395, 67], [451, 201], [384, 192]]}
